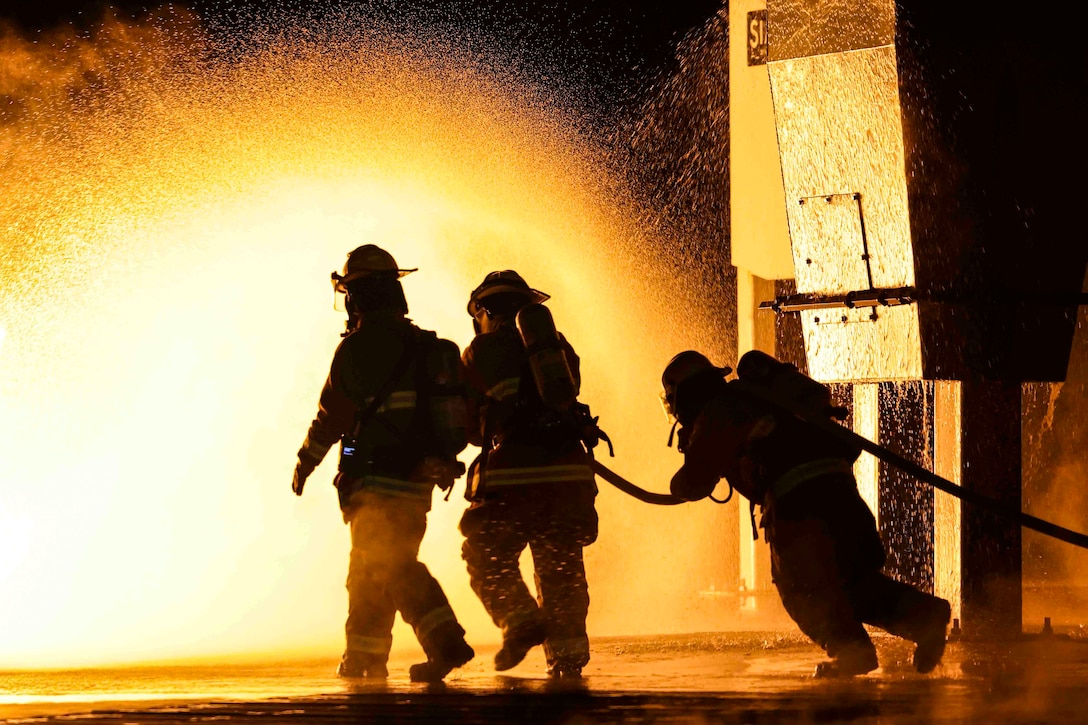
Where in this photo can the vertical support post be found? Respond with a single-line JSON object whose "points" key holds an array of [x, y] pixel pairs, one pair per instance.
{"points": [[866, 418], [947, 509], [789, 337], [992, 563], [755, 331]]}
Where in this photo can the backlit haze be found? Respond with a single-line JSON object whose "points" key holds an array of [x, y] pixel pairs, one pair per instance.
{"points": [[169, 216]]}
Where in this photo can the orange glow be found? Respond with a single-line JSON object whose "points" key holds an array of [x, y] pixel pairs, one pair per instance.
{"points": [[168, 228]]}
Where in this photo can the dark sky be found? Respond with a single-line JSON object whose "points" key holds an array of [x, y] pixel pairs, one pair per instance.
{"points": [[607, 52], [655, 23], [631, 33]]}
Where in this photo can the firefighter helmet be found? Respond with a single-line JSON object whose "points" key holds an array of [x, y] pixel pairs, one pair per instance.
{"points": [[366, 260], [683, 367], [495, 283]]}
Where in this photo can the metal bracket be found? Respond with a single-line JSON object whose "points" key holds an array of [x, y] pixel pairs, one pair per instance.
{"points": [[851, 300]]}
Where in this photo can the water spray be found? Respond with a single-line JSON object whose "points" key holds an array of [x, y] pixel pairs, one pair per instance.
{"points": [[190, 190]]}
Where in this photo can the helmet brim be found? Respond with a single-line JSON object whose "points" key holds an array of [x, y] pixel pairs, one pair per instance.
{"points": [[339, 281], [535, 296]]}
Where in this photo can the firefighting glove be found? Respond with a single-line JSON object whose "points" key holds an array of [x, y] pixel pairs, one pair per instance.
{"points": [[691, 488], [303, 469]]}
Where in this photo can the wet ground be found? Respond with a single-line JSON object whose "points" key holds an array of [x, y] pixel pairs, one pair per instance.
{"points": [[709, 678]]}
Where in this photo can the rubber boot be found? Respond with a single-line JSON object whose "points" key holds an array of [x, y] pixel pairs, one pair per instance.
{"points": [[446, 650], [852, 660], [930, 649], [517, 642], [561, 670], [362, 665]]}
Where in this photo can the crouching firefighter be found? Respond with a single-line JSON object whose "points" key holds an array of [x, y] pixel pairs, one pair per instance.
{"points": [[531, 484], [826, 553], [395, 403]]}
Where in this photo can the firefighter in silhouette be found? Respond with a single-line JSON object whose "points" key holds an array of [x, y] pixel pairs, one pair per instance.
{"points": [[531, 485], [826, 553], [391, 401]]}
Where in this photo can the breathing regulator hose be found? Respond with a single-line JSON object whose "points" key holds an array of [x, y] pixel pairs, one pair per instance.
{"points": [[974, 498]]}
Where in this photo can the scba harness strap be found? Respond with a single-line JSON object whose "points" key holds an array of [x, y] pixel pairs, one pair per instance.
{"points": [[390, 468], [349, 462], [514, 405]]}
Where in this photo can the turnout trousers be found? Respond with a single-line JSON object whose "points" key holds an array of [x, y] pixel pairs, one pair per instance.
{"points": [[555, 522], [385, 576], [826, 562]]}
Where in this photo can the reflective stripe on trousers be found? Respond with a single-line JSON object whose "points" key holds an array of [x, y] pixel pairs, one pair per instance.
{"points": [[369, 645], [432, 620], [519, 617]]}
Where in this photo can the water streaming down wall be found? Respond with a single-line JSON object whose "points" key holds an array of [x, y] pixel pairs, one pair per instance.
{"points": [[170, 213]]}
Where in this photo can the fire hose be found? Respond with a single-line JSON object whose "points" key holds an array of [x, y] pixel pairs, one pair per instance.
{"points": [[658, 499], [974, 498], [827, 425]]}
